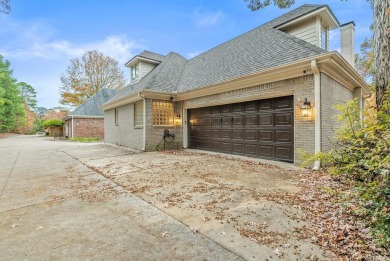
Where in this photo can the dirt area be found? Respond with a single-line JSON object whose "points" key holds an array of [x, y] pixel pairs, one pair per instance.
{"points": [[221, 197]]}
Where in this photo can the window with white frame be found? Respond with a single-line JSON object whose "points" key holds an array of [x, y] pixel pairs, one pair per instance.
{"points": [[116, 116], [139, 114], [162, 113], [134, 72]]}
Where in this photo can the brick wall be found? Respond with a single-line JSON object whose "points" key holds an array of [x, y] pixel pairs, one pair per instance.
{"points": [[154, 134], [301, 87], [332, 93], [88, 128]]}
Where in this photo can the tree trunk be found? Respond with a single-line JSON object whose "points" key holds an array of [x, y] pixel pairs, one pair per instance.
{"points": [[381, 48]]}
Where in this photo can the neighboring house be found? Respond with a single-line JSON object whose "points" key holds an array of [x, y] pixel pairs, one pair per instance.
{"points": [[245, 96], [87, 120]]}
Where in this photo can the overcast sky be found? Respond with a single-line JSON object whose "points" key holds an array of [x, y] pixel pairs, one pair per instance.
{"points": [[39, 37]]}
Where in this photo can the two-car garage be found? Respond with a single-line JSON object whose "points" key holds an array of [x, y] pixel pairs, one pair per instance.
{"points": [[262, 128]]}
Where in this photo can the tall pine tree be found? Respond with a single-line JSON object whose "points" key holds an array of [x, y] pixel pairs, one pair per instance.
{"points": [[12, 113]]}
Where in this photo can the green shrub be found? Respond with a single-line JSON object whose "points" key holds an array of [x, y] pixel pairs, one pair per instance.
{"points": [[82, 139], [362, 154], [53, 123]]}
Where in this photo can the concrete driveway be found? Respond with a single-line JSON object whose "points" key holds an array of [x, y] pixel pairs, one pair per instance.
{"points": [[63, 200], [53, 207]]}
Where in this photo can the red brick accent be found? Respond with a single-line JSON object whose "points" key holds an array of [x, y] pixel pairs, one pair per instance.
{"points": [[87, 127]]}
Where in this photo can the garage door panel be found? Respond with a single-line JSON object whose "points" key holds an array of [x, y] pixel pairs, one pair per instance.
{"points": [[266, 135], [283, 103], [263, 128], [226, 108], [227, 120], [283, 153], [206, 133], [238, 121], [238, 134], [206, 111], [238, 148], [250, 107], [266, 119], [226, 134], [216, 146], [266, 151], [215, 110], [216, 134], [215, 121], [250, 135], [238, 107], [250, 120], [265, 104], [250, 149], [283, 136], [226, 147], [283, 119], [196, 111], [206, 121]]}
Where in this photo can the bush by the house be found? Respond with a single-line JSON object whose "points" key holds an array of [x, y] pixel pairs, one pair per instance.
{"points": [[53, 123], [362, 156]]}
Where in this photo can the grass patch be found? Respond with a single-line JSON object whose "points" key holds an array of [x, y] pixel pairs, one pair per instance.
{"points": [[82, 139]]}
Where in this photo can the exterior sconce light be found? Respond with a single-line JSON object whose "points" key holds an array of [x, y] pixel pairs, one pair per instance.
{"points": [[177, 119], [306, 108]]}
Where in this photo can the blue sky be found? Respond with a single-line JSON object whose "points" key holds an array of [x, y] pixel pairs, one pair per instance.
{"points": [[39, 37]]}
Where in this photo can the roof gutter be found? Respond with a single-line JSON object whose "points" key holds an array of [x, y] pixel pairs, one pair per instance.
{"points": [[317, 110]]}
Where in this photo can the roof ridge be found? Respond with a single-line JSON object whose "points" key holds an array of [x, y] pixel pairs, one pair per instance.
{"points": [[151, 52], [258, 27], [162, 65]]}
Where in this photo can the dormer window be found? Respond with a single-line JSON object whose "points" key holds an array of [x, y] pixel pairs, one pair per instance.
{"points": [[134, 72]]}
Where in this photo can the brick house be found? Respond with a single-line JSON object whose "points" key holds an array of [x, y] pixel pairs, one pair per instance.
{"points": [[87, 120], [267, 93]]}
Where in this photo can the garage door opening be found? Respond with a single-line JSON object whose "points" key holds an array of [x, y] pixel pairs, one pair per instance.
{"points": [[262, 128]]}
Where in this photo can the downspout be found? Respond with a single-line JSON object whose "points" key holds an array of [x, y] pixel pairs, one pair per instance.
{"points": [[72, 126], [317, 110], [144, 112]]}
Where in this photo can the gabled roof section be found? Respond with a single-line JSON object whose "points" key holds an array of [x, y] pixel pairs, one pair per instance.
{"points": [[146, 56], [305, 12], [92, 107], [257, 50], [152, 56], [165, 77]]}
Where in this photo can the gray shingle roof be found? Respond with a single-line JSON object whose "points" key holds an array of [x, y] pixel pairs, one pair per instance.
{"points": [[164, 77], [152, 56], [259, 49], [92, 107]]}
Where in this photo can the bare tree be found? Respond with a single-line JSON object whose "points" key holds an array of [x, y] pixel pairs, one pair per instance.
{"points": [[87, 75], [5, 6]]}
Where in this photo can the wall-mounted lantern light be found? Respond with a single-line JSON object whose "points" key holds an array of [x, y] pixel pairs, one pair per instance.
{"points": [[306, 108], [177, 119]]}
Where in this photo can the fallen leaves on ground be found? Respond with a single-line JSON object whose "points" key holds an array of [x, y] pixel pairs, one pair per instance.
{"points": [[336, 228]]}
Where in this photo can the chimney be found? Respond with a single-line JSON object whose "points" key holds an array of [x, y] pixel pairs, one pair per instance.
{"points": [[347, 37]]}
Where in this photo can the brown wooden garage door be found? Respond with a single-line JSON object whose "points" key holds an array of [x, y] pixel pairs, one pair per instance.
{"points": [[263, 128]]}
